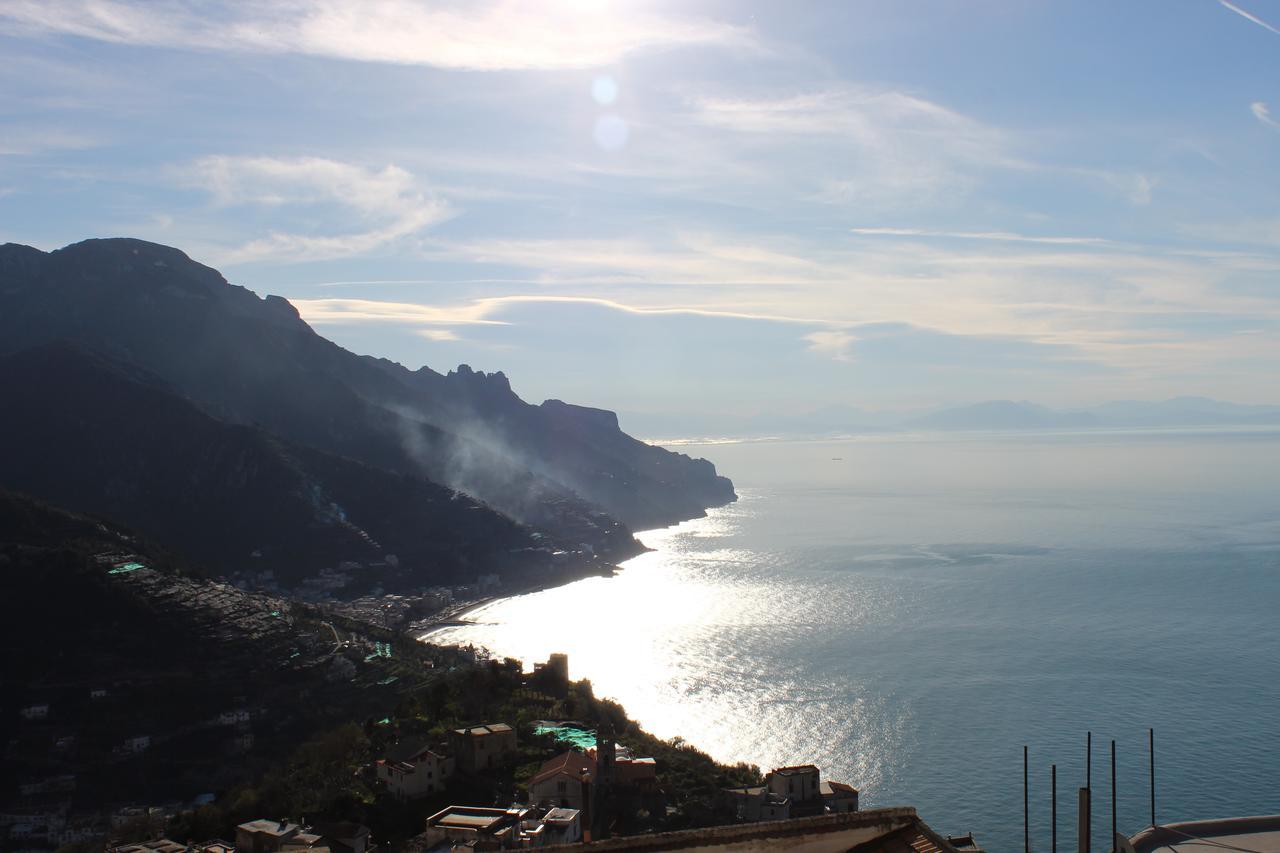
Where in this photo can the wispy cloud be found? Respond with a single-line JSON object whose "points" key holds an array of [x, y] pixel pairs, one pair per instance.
{"points": [[387, 201], [331, 311], [482, 311], [1249, 16], [439, 335], [878, 144], [1262, 114], [688, 259], [486, 36], [999, 236], [834, 343]]}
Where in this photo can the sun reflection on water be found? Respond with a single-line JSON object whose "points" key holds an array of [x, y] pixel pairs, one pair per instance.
{"points": [[671, 637]]}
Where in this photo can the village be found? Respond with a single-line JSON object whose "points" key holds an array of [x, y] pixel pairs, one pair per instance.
{"points": [[587, 786], [455, 752]]}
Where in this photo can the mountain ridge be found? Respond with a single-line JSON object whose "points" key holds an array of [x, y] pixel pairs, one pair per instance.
{"points": [[251, 360]]}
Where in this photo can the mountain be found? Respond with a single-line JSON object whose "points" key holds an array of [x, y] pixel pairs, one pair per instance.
{"points": [[1167, 414], [1002, 415], [250, 361], [108, 438], [1184, 411]]}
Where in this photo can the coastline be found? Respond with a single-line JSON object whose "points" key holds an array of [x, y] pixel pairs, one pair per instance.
{"points": [[456, 614]]}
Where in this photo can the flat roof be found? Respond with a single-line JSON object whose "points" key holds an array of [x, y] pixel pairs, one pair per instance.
{"points": [[474, 818], [481, 731], [1255, 842], [470, 821], [1259, 834], [271, 827]]}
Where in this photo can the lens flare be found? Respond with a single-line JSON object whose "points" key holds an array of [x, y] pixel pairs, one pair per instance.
{"points": [[604, 90]]}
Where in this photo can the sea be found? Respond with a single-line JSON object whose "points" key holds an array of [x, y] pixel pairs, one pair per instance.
{"points": [[910, 611]]}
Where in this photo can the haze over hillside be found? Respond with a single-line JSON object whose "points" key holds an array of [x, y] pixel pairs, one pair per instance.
{"points": [[154, 391]]}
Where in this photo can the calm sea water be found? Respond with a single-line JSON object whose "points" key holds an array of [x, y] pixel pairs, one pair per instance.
{"points": [[909, 612]]}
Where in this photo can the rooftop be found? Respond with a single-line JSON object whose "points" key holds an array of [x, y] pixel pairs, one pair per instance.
{"points": [[270, 827], [837, 788], [795, 770], [405, 750], [1260, 834], [474, 818], [481, 731], [860, 831], [573, 763]]}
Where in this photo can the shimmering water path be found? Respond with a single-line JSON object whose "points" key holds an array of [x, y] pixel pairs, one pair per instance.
{"points": [[908, 612]]}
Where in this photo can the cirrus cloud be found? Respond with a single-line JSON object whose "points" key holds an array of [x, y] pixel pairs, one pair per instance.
{"points": [[387, 202], [476, 37]]}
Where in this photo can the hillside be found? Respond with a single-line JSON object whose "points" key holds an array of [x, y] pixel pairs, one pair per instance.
{"points": [[112, 640], [128, 679], [98, 436], [253, 361]]}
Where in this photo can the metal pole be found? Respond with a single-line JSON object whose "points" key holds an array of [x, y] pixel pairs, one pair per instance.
{"points": [[1026, 804], [1151, 744], [1088, 786], [1113, 796], [1083, 821], [1054, 810]]}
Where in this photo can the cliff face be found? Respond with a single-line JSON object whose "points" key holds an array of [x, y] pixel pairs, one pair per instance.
{"points": [[247, 361]]}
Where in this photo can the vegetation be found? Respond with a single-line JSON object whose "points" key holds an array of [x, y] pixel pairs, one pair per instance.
{"points": [[330, 777]]}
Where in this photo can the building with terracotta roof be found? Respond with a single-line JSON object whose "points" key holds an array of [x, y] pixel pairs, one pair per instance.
{"points": [[563, 780], [838, 797]]}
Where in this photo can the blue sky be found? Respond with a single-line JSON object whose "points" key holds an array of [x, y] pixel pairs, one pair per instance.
{"points": [[687, 208]]}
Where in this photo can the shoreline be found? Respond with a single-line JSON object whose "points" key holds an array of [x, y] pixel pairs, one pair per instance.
{"points": [[455, 616]]}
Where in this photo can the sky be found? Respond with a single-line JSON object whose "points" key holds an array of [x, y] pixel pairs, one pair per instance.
{"points": [[691, 209]]}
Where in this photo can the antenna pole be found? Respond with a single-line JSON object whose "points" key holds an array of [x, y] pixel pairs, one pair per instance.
{"points": [[1026, 803], [1054, 810], [1113, 796], [1151, 745], [1083, 819]]}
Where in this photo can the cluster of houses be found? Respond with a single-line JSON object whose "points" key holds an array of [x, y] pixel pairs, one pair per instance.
{"points": [[580, 794], [413, 770], [574, 795]]}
